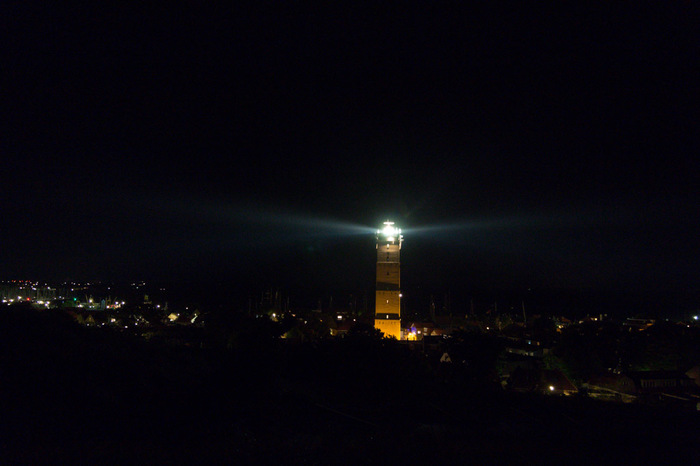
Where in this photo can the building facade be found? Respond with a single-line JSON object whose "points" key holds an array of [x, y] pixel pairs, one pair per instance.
{"points": [[388, 295]]}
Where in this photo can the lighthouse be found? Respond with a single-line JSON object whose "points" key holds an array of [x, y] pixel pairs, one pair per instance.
{"points": [[388, 295]]}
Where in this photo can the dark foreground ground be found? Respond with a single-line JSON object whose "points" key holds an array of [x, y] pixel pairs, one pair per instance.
{"points": [[79, 395]]}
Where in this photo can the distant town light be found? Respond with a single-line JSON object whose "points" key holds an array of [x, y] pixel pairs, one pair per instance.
{"points": [[551, 388], [695, 317]]}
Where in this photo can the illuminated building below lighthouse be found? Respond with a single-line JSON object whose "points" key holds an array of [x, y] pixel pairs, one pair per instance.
{"points": [[388, 300]]}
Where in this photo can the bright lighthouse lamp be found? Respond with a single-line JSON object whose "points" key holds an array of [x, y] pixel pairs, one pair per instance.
{"points": [[389, 232]]}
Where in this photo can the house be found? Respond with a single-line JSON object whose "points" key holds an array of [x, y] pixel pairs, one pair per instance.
{"points": [[542, 381], [694, 373], [418, 330], [662, 382], [633, 324], [341, 327], [612, 386]]}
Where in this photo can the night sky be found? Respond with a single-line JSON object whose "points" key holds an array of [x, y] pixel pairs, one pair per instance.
{"points": [[551, 149]]}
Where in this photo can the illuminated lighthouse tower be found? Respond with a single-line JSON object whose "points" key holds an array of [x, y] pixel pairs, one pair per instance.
{"points": [[388, 306]]}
